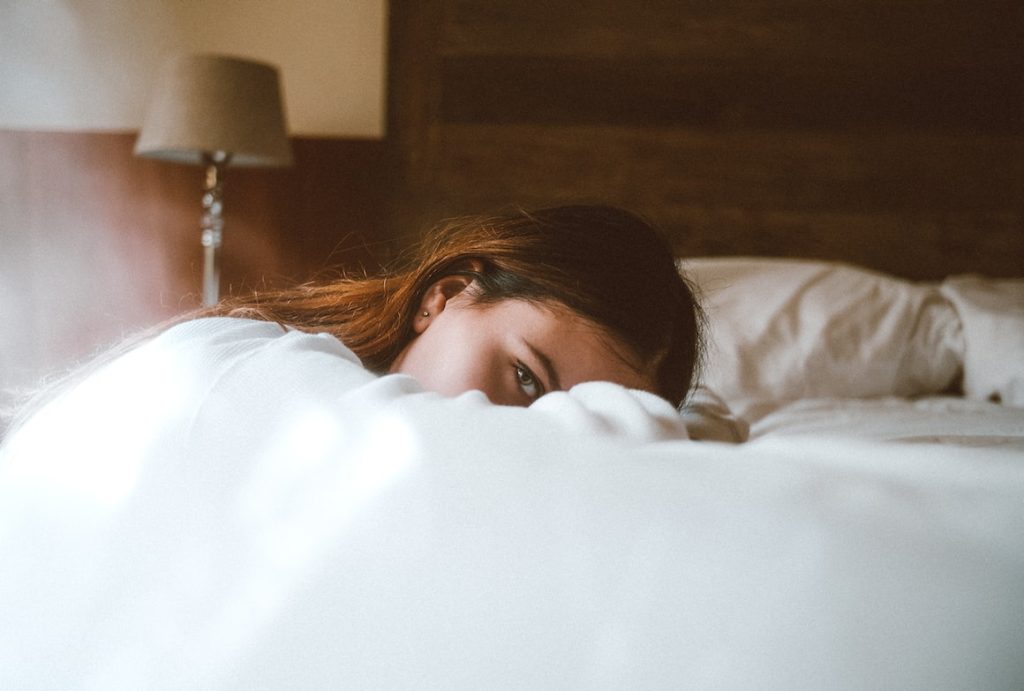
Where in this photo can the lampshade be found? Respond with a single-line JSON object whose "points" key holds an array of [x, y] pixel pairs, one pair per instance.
{"points": [[215, 103]]}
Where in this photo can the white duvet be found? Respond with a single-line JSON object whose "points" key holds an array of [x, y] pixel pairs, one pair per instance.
{"points": [[232, 507]]}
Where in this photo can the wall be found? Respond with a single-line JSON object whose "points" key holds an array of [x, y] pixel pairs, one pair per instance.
{"points": [[88, 64], [95, 242]]}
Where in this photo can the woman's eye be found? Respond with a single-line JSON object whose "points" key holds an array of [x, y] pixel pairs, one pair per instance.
{"points": [[528, 382]]}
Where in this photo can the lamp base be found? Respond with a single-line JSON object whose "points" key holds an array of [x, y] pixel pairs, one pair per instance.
{"points": [[213, 225]]}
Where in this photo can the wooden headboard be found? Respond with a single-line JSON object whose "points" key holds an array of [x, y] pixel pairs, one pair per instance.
{"points": [[882, 133]]}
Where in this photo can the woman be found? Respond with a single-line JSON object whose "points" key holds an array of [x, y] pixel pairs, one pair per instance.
{"points": [[260, 472], [514, 306]]}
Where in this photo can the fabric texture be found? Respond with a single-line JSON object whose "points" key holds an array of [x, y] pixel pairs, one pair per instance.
{"points": [[992, 313], [950, 420], [227, 374], [233, 506], [782, 329]]}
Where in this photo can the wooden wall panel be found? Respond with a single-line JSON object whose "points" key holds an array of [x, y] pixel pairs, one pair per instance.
{"points": [[895, 203], [96, 242], [887, 134], [652, 91]]}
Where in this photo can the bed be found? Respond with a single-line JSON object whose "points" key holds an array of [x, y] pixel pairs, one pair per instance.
{"points": [[840, 505]]}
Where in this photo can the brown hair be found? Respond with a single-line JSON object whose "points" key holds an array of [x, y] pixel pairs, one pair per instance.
{"points": [[603, 263]]}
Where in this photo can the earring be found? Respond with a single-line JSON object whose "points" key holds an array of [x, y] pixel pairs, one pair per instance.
{"points": [[426, 313]]}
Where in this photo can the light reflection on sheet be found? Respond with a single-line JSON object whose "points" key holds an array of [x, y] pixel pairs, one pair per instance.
{"points": [[349, 465], [136, 410]]}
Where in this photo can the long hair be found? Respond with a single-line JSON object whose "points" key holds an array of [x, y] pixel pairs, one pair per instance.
{"points": [[603, 263]]}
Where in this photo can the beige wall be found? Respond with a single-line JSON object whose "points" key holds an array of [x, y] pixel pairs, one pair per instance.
{"points": [[87, 64], [95, 242]]}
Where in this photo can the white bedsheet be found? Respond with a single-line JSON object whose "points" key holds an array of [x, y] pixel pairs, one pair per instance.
{"points": [[327, 529], [934, 419]]}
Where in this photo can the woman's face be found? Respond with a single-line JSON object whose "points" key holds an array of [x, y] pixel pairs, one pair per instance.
{"points": [[513, 351]]}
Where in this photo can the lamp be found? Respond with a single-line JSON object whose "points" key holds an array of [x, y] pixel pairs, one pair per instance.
{"points": [[215, 110]]}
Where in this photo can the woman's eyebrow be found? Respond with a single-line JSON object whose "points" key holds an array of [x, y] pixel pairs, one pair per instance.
{"points": [[549, 367]]}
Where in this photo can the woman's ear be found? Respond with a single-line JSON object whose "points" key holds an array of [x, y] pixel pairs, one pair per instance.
{"points": [[436, 299]]}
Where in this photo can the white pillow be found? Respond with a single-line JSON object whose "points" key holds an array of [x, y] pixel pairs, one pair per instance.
{"points": [[784, 329], [992, 313]]}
